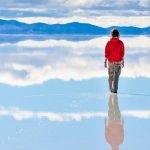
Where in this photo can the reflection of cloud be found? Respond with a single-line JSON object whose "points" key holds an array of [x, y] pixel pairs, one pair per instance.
{"points": [[96, 43], [138, 68], [34, 62], [19, 114], [138, 114]]}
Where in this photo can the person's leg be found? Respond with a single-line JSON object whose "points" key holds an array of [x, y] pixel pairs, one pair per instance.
{"points": [[116, 109], [111, 76], [117, 70], [110, 110]]}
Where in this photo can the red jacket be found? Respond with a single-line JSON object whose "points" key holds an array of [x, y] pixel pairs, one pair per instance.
{"points": [[114, 50]]}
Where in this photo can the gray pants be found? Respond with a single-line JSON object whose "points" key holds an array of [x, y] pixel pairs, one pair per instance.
{"points": [[114, 70]]}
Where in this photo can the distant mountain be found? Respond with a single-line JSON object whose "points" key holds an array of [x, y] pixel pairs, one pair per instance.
{"points": [[15, 27]]}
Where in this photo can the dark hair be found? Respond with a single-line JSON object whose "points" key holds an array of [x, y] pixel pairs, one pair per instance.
{"points": [[115, 33]]}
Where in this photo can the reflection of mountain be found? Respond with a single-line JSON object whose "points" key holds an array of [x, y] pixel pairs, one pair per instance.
{"points": [[7, 38], [15, 27], [114, 128]]}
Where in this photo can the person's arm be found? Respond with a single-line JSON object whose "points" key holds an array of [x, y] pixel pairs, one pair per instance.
{"points": [[122, 54], [105, 63], [122, 63], [106, 54]]}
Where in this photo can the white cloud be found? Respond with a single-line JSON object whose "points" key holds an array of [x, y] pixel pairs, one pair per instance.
{"points": [[35, 10], [101, 4], [79, 3], [103, 21], [144, 3], [66, 8], [139, 12]]}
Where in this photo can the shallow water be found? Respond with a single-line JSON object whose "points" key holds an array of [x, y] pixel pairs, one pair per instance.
{"points": [[54, 94]]}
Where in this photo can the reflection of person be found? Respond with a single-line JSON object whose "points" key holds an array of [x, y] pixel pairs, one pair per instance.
{"points": [[114, 53], [114, 127]]}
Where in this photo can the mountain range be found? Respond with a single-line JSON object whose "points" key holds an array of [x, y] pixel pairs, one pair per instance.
{"points": [[16, 27]]}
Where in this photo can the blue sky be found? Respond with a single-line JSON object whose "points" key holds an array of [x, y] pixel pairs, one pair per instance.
{"points": [[68, 8], [98, 12]]}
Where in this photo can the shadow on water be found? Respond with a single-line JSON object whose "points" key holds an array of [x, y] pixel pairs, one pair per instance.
{"points": [[114, 124]]}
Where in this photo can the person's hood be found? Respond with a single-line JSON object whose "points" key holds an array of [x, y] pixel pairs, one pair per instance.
{"points": [[114, 39]]}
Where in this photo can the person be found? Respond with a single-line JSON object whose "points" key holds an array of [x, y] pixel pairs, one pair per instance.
{"points": [[114, 58], [114, 124]]}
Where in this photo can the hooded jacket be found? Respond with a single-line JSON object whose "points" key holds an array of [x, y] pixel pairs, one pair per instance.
{"points": [[114, 50]]}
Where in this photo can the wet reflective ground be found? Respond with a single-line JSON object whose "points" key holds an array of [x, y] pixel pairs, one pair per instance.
{"points": [[54, 95]]}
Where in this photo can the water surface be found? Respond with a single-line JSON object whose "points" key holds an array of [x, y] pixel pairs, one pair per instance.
{"points": [[54, 94]]}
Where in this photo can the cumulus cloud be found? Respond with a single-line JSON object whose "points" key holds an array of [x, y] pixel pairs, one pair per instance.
{"points": [[103, 4], [66, 8], [83, 3], [33, 62], [144, 3], [27, 9]]}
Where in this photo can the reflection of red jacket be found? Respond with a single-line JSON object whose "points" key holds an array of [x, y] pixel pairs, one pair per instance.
{"points": [[114, 50], [114, 134]]}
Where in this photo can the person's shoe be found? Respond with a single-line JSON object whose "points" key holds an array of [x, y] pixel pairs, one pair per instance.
{"points": [[115, 92]]}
